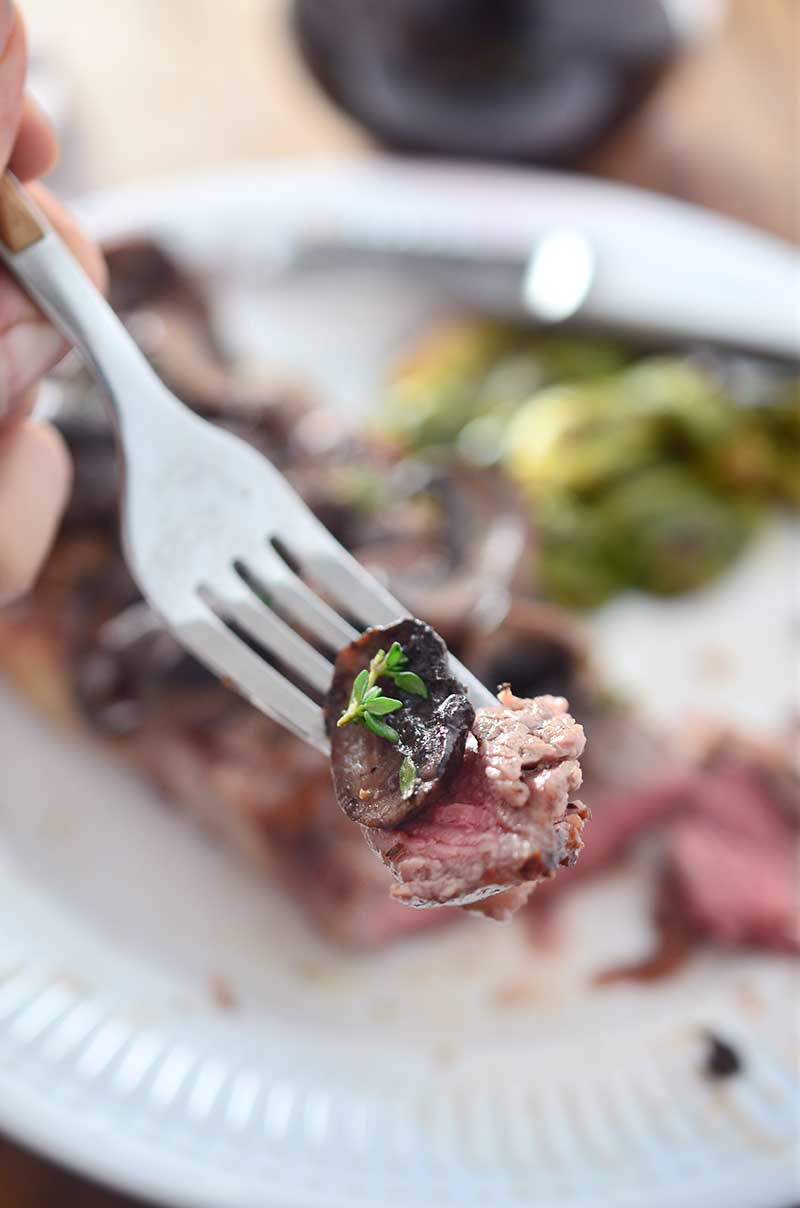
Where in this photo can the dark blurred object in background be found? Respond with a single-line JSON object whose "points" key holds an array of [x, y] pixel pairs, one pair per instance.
{"points": [[537, 80]]}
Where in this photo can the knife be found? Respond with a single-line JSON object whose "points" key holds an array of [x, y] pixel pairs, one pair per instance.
{"points": [[543, 246], [558, 248]]}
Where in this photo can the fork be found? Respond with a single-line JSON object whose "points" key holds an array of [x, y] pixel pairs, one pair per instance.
{"points": [[223, 549]]}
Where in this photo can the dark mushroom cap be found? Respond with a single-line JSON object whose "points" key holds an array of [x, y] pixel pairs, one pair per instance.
{"points": [[432, 730]]}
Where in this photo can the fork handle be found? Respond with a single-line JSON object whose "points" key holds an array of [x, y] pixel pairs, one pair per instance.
{"points": [[52, 277]]}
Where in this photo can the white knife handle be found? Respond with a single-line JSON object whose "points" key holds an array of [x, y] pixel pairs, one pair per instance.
{"points": [[674, 270], [660, 266]]}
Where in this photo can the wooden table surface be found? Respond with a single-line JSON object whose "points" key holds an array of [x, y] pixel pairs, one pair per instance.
{"points": [[163, 87]]}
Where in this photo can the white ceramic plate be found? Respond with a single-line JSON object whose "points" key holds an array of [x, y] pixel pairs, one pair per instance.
{"points": [[465, 1068]]}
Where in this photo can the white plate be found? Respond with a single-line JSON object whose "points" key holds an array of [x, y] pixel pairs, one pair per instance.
{"points": [[463, 1068]]}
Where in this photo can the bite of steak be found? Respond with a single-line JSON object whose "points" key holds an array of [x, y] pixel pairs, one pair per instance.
{"points": [[506, 821]]}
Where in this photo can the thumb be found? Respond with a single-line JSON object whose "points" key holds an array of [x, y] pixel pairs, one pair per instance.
{"points": [[12, 77]]}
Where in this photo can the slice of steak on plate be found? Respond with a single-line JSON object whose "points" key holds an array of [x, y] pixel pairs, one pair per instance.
{"points": [[722, 885], [723, 826]]}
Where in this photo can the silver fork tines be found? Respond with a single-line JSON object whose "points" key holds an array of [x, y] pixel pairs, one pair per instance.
{"points": [[205, 516]]}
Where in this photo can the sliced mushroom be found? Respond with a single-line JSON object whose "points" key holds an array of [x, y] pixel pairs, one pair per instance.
{"points": [[459, 566], [432, 731]]}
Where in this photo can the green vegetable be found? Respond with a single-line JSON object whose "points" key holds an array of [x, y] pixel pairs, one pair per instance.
{"points": [[764, 451], [471, 368], [575, 565], [577, 438], [650, 473], [671, 531], [683, 400], [408, 777], [578, 358], [435, 393], [367, 704]]}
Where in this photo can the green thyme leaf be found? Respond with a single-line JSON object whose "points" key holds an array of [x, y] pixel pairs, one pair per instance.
{"points": [[367, 702], [360, 685], [396, 657], [380, 728], [383, 704], [408, 777], [409, 681]]}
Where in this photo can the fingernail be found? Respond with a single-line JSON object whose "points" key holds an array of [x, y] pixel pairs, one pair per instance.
{"points": [[27, 351]]}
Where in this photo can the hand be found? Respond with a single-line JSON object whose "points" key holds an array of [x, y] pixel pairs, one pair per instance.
{"points": [[34, 465]]}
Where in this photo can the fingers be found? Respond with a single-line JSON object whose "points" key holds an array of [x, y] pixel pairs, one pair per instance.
{"points": [[27, 142], [36, 149], [35, 469], [16, 306], [12, 77], [29, 346], [86, 252], [28, 350], [34, 482]]}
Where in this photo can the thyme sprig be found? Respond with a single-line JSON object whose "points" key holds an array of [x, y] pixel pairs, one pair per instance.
{"points": [[368, 704]]}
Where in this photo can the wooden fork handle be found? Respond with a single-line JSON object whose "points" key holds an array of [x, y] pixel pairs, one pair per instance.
{"points": [[19, 226]]}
